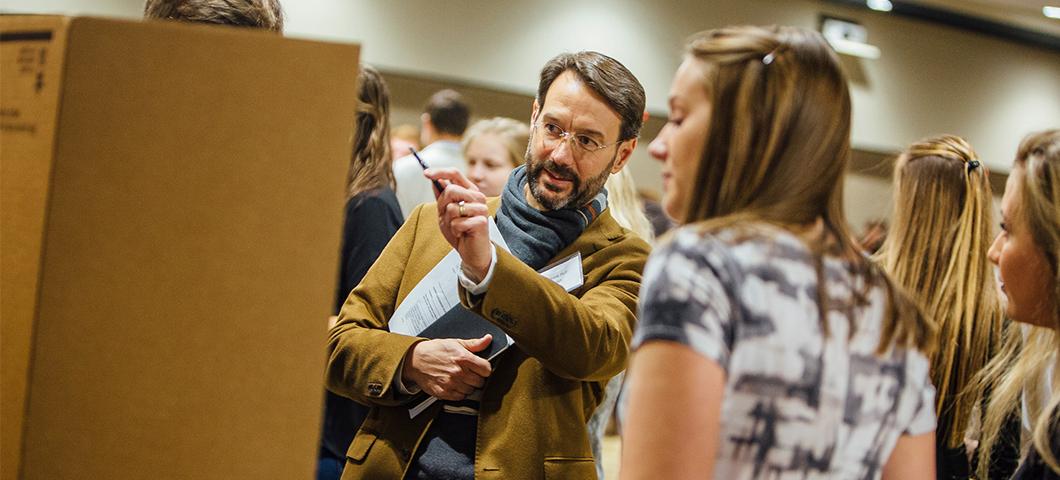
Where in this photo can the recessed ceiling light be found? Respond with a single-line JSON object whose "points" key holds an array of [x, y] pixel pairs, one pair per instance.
{"points": [[1051, 12], [880, 5]]}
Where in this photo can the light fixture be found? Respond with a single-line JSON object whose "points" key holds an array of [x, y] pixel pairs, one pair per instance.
{"points": [[880, 5], [848, 38], [1051, 12]]}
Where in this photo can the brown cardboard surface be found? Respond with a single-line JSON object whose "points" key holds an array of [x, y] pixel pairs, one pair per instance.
{"points": [[31, 52], [192, 238]]}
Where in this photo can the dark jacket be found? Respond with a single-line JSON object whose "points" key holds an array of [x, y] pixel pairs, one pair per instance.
{"points": [[371, 219]]}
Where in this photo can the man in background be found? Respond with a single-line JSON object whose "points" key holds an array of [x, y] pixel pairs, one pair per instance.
{"points": [[443, 122], [265, 14]]}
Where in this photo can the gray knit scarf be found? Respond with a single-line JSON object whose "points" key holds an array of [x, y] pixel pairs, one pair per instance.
{"points": [[535, 236]]}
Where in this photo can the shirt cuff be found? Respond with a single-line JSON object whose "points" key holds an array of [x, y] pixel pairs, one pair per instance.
{"points": [[480, 287], [400, 386]]}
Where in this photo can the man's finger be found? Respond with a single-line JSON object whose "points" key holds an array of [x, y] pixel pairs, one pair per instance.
{"points": [[455, 386], [456, 193], [463, 387], [471, 209], [435, 184], [476, 344], [465, 225], [452, 175], [477, 365], [473, 380], [453, 195]]}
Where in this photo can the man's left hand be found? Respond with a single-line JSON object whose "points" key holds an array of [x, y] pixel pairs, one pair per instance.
{"points": [[464, 221]]}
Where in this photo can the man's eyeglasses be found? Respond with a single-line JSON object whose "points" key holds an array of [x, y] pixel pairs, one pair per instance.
{"points": [[552, 135]]}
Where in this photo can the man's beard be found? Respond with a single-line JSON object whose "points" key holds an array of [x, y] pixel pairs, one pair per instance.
{"points": [[580, 193]]}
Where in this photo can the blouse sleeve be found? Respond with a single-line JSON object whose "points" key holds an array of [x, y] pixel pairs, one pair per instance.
{"points": [[684, 299], [923, 417]]}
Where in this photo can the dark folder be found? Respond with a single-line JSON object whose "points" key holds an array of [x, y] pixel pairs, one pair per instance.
{"points": [[460, 322]]}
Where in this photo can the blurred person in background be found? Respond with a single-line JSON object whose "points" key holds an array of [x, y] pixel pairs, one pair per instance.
{"points": [[626, 207], [492, 148], [747, 363], [264, 14], [401, 138], [372, 216], [442, 123], [937, 250], [660, 222], [1027, 254], [873, 235]]}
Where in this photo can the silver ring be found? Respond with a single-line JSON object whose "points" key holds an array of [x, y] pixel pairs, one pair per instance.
{"points": [[461, 210]]}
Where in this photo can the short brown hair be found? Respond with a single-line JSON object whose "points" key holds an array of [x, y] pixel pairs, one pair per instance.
{"points": [[264, 14], [605, 76], [448, 111]]}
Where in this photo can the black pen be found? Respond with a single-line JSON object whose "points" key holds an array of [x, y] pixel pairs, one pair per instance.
{"points": [[423, 164]]}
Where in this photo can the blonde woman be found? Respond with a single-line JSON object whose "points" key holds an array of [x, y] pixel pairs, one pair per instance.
{"points": [[937, 250], [492, 149], [767, 345], [1027, 254], [626, 206]]}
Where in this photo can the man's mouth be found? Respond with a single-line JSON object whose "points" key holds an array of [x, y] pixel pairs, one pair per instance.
{"points": [[556, 178]]}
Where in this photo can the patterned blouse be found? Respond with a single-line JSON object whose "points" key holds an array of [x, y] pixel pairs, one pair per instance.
{"points": [[797, 404]]}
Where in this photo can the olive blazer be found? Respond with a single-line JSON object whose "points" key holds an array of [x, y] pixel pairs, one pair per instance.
{"points": [[542, 391]]}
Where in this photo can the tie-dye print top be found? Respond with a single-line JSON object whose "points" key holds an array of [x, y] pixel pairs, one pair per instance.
{"points": [[796, 404]]}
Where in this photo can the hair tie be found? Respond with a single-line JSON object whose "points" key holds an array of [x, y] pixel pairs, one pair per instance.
{"points": [[772, 55], [972, 165]]}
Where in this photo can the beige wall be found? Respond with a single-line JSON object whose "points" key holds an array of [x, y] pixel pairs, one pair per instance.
{"points": [[866, 198], [930, 79], [108, 8]]}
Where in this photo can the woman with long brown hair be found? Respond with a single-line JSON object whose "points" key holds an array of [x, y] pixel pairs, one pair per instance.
{"points": [[372, 216], [768, 346], [937, 250], [1027, 253]]}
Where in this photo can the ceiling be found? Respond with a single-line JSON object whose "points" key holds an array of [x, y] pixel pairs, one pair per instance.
{"points": [[1023, 13], [1030, 4]]}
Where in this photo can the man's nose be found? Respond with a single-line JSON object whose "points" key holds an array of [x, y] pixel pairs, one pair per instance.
{"points": [[564, 152]]}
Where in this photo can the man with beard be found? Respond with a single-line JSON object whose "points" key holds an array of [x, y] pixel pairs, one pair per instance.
{"points": [[524, 414]]}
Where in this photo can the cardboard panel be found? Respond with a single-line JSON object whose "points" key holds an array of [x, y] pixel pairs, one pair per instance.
{"points": [[31, 53], [192, 247]]}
